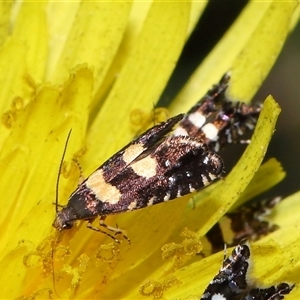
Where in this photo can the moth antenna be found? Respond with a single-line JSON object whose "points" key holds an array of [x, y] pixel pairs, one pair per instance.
{"points": [[225, 253], [59, 170], [153, 114]]}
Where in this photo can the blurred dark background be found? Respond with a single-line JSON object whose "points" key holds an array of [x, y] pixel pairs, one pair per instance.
{"points": [[283, 82]]}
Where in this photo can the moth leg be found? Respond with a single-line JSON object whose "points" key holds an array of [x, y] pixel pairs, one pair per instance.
{"points": [[90, 226], [113, 229], [110, 228], [224, 255]]}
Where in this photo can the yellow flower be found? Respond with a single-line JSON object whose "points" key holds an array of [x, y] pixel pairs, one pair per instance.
{"points": [[87, 66]]}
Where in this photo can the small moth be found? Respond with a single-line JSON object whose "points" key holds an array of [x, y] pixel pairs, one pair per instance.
{"points": [[170, 160], [248, 221], [151, 169], [234, 283]]}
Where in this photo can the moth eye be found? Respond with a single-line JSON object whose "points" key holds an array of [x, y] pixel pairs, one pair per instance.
{"points": [[68, 225]]}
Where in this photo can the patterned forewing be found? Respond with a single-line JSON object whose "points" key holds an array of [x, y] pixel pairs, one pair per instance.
{"points": [[149, 139], [178, 166]]}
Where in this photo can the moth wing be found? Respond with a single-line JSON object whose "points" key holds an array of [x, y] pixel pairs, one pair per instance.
{"points": [[144, 143], [217, 120], [271, 293], [184, 165], [177, 166]]}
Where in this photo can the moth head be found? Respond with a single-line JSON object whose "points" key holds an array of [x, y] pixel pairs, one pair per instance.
{"points": [[64, 219]]}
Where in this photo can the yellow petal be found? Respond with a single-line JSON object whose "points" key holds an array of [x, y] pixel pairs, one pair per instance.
{"points": [[268, 175], [113, 82], [93, 38], [30, 28], [5, 8], [27, 179], [142, 77], [261, 50], [229, 52]]}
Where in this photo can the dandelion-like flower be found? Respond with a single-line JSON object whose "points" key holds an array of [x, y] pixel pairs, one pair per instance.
{"points": [[87, 66]]}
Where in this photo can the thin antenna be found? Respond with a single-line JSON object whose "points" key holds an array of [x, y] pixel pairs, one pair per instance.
{"points": [[59, 170], [153, 111]]}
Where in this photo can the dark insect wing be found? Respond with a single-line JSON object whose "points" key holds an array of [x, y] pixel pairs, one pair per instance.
{"points": [[204, 112], [151, 169], [271, 293], [217, 120], [92, 196], [209, 105], [175, 167], [245, 222], [188, 164], [137, 147], [237, 119], [230, 282], [233, 283]]}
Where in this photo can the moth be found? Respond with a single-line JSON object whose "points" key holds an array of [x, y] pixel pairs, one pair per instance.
{"points": [[248, 221], [171, 159], [234, 283]]}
